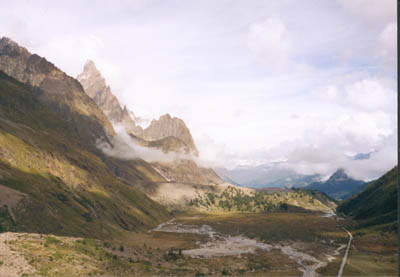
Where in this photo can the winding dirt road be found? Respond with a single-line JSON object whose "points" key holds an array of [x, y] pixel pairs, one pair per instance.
{"points": [[345, 254]]}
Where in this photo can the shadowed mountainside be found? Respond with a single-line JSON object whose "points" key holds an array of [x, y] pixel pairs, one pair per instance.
{"points": [[376, 204], [339, 185], [56, 90], [53, 182]]}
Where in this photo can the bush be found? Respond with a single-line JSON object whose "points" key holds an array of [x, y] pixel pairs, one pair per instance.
{"points": [[106, 244], [52, 240]]}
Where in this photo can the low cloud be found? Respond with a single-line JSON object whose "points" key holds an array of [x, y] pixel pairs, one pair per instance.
{"points": [[126, 148], [326, 156]]}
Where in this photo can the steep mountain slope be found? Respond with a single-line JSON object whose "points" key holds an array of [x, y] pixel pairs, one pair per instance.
{"points": [[266, 175], [376, 203], [50, 182], [56, 90], [167, 133], [339, 185]]}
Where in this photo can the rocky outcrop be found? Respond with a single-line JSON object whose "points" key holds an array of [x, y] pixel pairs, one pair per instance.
{"points": [[188, 172], [159, 133], [167, 126], [58, 91], [95, 86]]}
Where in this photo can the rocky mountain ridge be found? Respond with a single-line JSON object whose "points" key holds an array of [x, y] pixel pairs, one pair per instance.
{"points": [[95, 86], [166, 126], [55, 89]]}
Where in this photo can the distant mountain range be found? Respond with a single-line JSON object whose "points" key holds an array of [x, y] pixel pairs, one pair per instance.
{"points": [[339, 185], [267, 175]]}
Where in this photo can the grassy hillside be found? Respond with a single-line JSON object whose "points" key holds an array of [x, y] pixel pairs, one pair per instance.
{"points": [[51, 183], [235, 199], [376, 204]]}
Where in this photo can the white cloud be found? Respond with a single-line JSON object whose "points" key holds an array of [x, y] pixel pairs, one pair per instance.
{"points": [[386, 48], [320, 159], [371, 11], [126, 148], [367, 94], [371, 95], [328, 93], [271, 43], [380, 161]]}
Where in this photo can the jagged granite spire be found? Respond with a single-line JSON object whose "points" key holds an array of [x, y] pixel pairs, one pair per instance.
{"points": [[167, 126], [95, 86]]}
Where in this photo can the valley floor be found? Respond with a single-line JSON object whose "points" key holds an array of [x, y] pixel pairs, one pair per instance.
{"points": [[248, 244]]}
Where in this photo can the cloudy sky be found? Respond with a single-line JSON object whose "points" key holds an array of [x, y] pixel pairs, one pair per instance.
{"points": [[309, 83]]}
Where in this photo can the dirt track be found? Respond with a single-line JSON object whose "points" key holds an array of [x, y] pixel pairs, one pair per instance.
{"points": [[12, 263], [345, 255]]}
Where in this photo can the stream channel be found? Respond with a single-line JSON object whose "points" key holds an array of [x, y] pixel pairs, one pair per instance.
{"points": [[221, 245]]}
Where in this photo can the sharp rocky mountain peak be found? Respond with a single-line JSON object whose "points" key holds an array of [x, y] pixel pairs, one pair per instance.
{"points": [[167, 126], [159, 130], [95, 86], [339, 175]]}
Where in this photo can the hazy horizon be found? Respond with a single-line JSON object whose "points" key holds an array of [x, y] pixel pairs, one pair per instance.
{"points": [[310, 83]]}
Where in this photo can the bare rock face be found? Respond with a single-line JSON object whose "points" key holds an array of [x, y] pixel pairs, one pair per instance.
{"points": [[158, 133], [95, 86], [60, 92], [187, 172], [167, 126]]}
